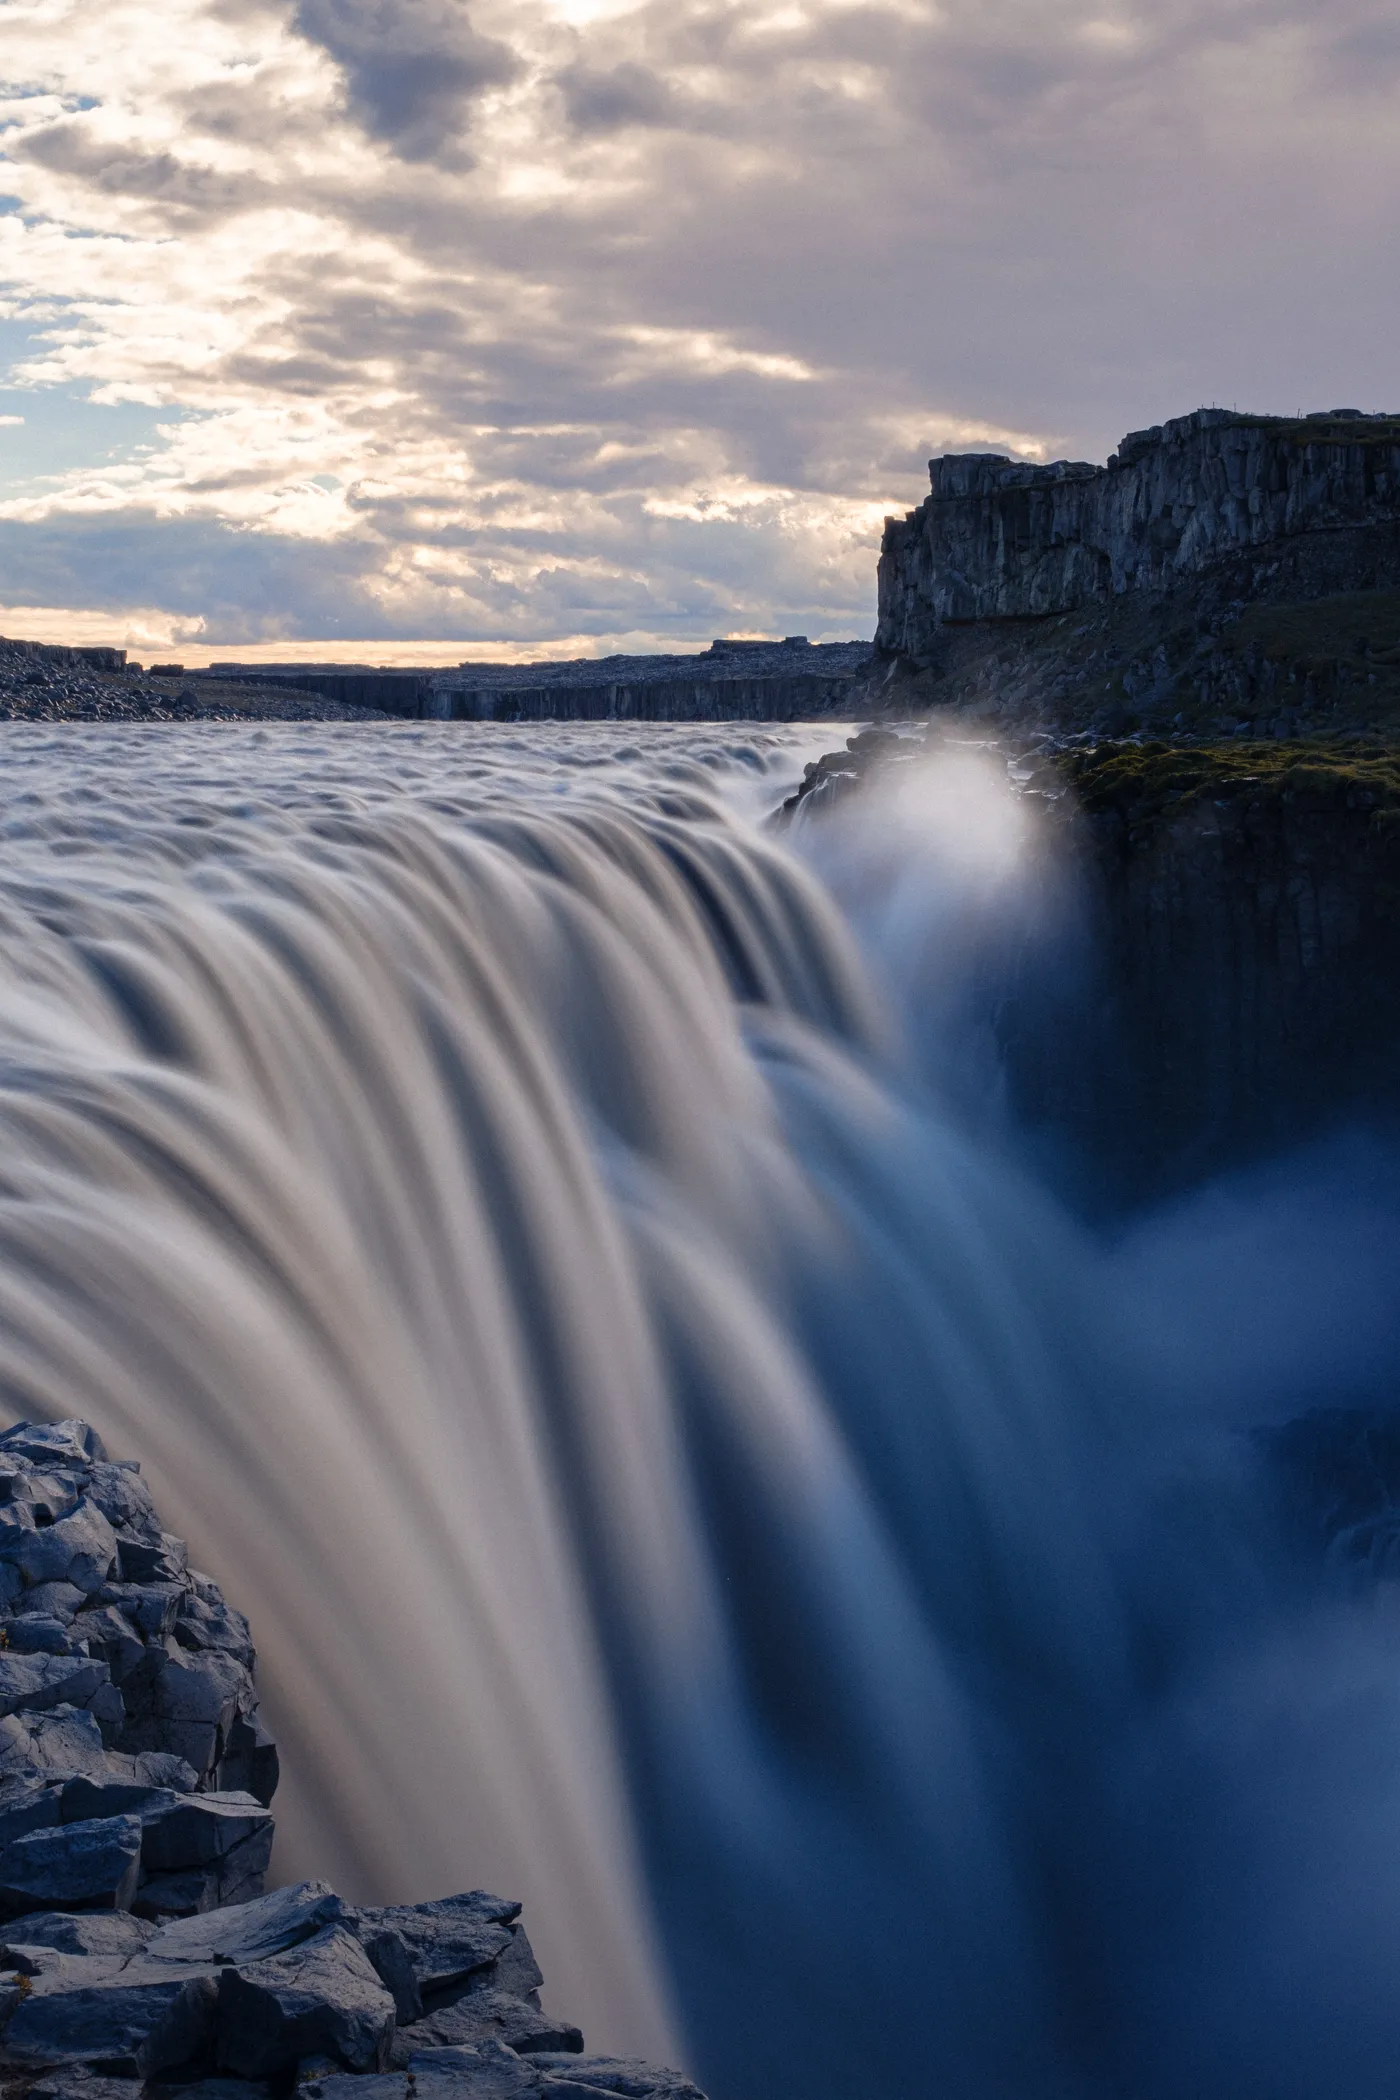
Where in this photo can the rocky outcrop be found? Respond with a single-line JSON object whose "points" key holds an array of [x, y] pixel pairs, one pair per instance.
{"points": [[138, 1951], [40, 683], [1242, 987], [1246, 993], [999, 539]]}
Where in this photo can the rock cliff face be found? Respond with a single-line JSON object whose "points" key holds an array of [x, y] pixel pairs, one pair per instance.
{"points": [[1241, 990], [1247, 989], [731, 681], [998, 539]]}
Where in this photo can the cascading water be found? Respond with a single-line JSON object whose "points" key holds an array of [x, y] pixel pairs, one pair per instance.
{"points": [[677, 1468]]}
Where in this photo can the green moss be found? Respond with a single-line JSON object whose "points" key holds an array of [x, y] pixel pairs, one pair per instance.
{"points": [[1150, 783]]}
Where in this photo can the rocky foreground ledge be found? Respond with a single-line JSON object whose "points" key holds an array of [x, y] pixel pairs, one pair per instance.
{"points": [[138, 1951]]}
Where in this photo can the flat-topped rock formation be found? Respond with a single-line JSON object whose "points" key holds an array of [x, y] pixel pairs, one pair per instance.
{"points": [[745, 681], [1000, 539], [138, 1950]]}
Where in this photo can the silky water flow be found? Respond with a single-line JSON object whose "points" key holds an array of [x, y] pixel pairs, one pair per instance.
{"points": [[680, 1471]]}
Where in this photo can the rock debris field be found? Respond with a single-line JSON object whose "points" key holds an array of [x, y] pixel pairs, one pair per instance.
{"points": [[39, 683], [138, 1950]]}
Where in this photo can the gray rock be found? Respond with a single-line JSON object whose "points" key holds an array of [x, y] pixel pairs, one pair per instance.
{"points": [[449, 1939], [80, 1549], [28, 1804], [84, 1932], [54, 1966], [84, 1798], [194, 1701], [150, 1608], [249, 1764], [998, 538], [392, 1963], [516, 1969], [486, 2072], [79, 1866], [35, 1635], [31, 1498], [35, 1683], [236, 1878], [251, 1932], [321, 1998], [493, 2015], [124, 1500], [584, 2077], [61, 1743], [69, 1442], [83, 2085], [203, 1624], [135, 2024], [161, 1559], [199, 1829], [109, 1711], [52, 1600], [342, 2085], [154, 1768], [226, 2089]]}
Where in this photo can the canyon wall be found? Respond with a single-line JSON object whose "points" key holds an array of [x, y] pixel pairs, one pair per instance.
{"points": [[999, 539], [1231, 984], [731, 681]]}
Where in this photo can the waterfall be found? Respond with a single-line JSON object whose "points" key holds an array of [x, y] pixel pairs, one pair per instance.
{"points": [[680, 1469]]}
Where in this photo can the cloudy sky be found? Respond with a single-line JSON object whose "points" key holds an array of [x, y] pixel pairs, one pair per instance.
{"points": [[567, 324]]}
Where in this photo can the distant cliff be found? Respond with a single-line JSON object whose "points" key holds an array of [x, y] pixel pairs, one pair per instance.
{"points": [[1317, 498], [732, 681]]}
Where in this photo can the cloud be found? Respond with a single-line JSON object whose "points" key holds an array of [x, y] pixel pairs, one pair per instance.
{"points": [[611, 98], [412, 67], [547, 318]]}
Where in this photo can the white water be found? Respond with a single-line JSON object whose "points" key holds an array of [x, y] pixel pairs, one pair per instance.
{"points": [[677, 1472]]}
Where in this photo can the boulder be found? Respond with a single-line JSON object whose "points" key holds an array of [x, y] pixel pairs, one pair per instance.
{"points": [[493, 2015], [322, 1998], [135, 2024], [135, 1778], [78, 1866], [83, 1932], [36, 1683], [35, 1634], [163, 1559], [80, 1549], [79, 2084], [488, 2071], [449, 1939], [393, 1965], [28, 1804], [71, 1443], [251, 1932], [61, 1743], [585, 2077]]}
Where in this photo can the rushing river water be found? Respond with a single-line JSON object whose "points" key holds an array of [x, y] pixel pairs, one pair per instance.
{"points": [[555, 1250]]}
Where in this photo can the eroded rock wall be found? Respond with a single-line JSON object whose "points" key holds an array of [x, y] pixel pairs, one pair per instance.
{"points": [[1000, 539]]}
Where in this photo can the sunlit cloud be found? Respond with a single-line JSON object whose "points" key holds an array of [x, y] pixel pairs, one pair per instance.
{"points": [[516, 320]]}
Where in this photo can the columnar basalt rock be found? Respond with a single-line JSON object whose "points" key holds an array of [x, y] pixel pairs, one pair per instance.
{"points": [[1241, 991], [137, 1947], [1001, 539]]}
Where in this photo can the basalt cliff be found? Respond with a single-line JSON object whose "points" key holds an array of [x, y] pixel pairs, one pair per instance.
{"points": [[1222, 574]]}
